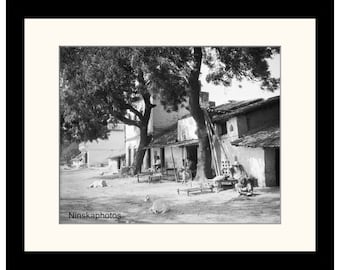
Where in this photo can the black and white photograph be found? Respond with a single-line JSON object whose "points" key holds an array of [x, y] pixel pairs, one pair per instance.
{"points": [[159, 135], [170, 134]]}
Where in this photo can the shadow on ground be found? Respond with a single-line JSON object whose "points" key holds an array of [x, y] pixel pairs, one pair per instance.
{"points": [[124, 199]]}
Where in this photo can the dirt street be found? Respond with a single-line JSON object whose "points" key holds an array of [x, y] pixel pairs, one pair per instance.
{"points": [[125, 197]]}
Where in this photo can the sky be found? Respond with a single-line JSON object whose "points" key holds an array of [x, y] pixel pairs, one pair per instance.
{"points": [[249, 90]]}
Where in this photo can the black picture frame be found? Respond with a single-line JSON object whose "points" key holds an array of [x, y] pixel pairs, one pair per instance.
{"points": [[322, 11]]}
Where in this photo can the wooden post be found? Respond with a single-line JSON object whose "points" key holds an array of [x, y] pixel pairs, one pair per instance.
{"points": [[215, 154], [173, 161]]}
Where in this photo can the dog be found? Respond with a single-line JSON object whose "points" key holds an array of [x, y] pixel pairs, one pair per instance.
{"points": [[158, 206], [98, 183]]}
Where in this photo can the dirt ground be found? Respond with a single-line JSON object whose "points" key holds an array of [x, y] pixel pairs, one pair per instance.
{"points": [[125, 197]]}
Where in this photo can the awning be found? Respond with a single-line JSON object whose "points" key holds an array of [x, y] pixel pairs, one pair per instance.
{"points": [[169, 138], [174, 144], [116, 156], [188, 142]]}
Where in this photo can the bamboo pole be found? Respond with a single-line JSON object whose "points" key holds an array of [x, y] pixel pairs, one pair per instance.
{"points": [[219, 140], [211, 125], [210, 128], [211, 148], [215, 153]]}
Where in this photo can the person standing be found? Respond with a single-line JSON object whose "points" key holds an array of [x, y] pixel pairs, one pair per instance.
{"points": [[158, 164]]}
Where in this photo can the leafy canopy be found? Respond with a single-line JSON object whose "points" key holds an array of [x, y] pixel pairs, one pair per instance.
{"points": [[99, 84], [103, 83]]}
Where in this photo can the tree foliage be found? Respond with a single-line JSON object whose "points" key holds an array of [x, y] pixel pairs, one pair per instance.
{"points": [[241, 63], [103, 83], [172, 66], [99, 84], [68, 151], [177, 78]]}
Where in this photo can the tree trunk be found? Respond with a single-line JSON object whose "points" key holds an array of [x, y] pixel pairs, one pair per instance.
{"points": [[204, 170], [144, 141], [144, 137]]}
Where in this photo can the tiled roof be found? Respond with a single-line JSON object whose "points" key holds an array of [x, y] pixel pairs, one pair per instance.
{"points": [[169, 137], [267, 137], [228, 110], [235, 104]]}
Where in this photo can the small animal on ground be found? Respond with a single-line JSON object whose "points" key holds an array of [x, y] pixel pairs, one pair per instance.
{"points": [[98, 183], [159, 206]]}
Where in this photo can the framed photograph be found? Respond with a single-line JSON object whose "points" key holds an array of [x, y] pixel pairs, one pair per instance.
{"points": [[172, 135]]}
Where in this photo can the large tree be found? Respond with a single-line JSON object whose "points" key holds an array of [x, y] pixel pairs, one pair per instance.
{"points": [[98, 84], [177, 76]]}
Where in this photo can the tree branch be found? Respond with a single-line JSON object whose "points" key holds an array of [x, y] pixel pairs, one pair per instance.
{"points": [[125, 120], [136, 112], [146, 97], [148, 107], [195, 87]]}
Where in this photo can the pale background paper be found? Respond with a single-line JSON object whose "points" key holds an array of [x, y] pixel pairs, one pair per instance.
{"points": [[297, 40]]}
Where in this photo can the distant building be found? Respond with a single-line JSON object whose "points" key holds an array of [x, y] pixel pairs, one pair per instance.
{"points": [[106, 152], [178, 143], [161, 123], [250, 135], [248, 130]]}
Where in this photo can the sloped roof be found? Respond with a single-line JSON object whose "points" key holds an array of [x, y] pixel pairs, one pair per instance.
{"points": [[169, 137], [117, 154], [228, 110], [79, 156], [235, 104], [267, 137]]}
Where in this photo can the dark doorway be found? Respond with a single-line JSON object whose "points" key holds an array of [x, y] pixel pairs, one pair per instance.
{"points": [[134, 153], [277, 166], [129, 157], [162, 158], [192, 155], [118, 163], [148, 158]]}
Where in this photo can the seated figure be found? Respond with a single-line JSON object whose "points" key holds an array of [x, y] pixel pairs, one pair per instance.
{"points": [[244, 187]]}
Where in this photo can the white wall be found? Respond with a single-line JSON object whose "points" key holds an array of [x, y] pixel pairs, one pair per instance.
{"points": [[187, 129], [132, 144], [113, 164], [178, 157], [162, 119], [232, 127], [252, 159], [99, 151]]}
